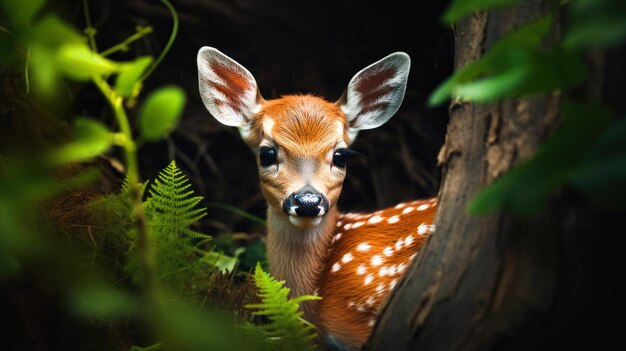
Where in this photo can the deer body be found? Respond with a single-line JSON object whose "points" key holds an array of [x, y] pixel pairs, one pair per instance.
{"points": [[351, 260]]}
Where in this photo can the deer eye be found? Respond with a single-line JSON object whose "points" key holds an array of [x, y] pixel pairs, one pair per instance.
{"points": [[267, 156], [339, 157]]}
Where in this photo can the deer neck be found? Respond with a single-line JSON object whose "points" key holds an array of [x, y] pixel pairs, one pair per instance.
{"points": [[297, 255]]}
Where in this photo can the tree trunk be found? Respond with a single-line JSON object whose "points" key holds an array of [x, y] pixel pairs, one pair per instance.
{"points": [[503, 281]]}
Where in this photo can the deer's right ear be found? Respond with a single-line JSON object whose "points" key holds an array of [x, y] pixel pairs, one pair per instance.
{"points": [[228, 90]]}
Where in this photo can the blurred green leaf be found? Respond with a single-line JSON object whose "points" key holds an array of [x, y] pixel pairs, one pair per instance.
{"points": [[460, 8], [98, 301], [128, 79], [92, 139], [596, 23], [79, 62], [160, 112], [526, 187], [45, 76], [52, 32], [514, 66], [20, 12]]}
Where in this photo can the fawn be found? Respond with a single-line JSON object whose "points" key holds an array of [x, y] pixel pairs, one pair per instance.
{"points": [[351, 260]]}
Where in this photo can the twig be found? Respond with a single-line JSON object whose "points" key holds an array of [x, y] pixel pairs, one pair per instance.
{"points": [[123, 46], [90, 30], [169, 42]]}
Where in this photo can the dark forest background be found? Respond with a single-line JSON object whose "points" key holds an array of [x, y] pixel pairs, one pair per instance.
{"points": [[291, 47]]}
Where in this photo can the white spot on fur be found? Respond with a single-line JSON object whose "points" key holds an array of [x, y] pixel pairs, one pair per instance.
{"points": [[377, 260], [388, 251], [337, 237], [393, 219], [375, 219], [361, 309], [371, 322], [408, 210], [400, 205], [363, 247], [399, 244], [368, 279], [351, 304], [408, 240], [392, 270], [339, 224], [383, 271], [357, 224], [370, 301], [347, 226], [361, 269], [347, 258], [380, 288], [336, 267], [401, 267], [393, 283], [412, 257], [316, 292], [422, 207], [422, 229]]}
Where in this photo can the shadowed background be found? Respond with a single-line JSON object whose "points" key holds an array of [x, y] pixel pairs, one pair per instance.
{"points": [[290, 47]]}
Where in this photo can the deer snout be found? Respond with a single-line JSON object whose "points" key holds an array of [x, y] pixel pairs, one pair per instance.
{"points": [[306, 202]]}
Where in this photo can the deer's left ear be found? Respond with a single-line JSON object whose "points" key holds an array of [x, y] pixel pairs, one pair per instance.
{"points": [[375, 93]]}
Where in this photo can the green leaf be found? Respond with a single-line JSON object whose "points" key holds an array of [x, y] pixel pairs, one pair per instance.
{"points": [[220, 261], [52, 32], [160, 112], [460, 8], [92, 139], [515, 66], [77, 61], [526, 187], [20, 12], [596, 24], [127, 83]]}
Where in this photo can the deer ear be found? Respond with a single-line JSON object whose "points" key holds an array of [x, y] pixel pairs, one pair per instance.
{"points": [[228, 90], [375, 93]]}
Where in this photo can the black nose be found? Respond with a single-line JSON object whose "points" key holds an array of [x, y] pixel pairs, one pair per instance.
{"points": [[306, 203]]}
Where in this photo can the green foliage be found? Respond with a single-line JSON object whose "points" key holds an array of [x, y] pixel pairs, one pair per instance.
{"points": [[460, 8], [286, 329], [92, 138], [596, 23], [160, 113], [587, 151], [128, 82], [515, 66]]}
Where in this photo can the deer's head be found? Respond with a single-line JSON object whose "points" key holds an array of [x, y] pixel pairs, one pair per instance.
{"points": [[301, 141]]}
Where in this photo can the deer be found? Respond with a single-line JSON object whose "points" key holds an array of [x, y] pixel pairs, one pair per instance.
{"points": [[301, 144]]}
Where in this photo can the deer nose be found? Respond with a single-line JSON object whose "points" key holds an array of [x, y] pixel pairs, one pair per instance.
{"points": [[306, 203]]}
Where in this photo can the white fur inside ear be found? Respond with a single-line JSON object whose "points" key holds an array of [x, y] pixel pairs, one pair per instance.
{"points": [[376, 92], [228, 90]]}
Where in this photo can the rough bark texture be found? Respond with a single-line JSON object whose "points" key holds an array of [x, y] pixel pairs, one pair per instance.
{"points": [[502, 281]]}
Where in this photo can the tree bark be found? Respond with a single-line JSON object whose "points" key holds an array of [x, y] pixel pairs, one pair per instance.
{"points": [[501, 281]]}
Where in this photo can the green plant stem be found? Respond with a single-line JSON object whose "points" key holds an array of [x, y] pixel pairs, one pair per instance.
{"points": [[123, 46], [144, 244], [90, 30], [169, 42]]}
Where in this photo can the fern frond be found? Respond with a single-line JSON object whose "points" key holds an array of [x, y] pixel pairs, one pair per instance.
{"points": [[287, 329]]}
